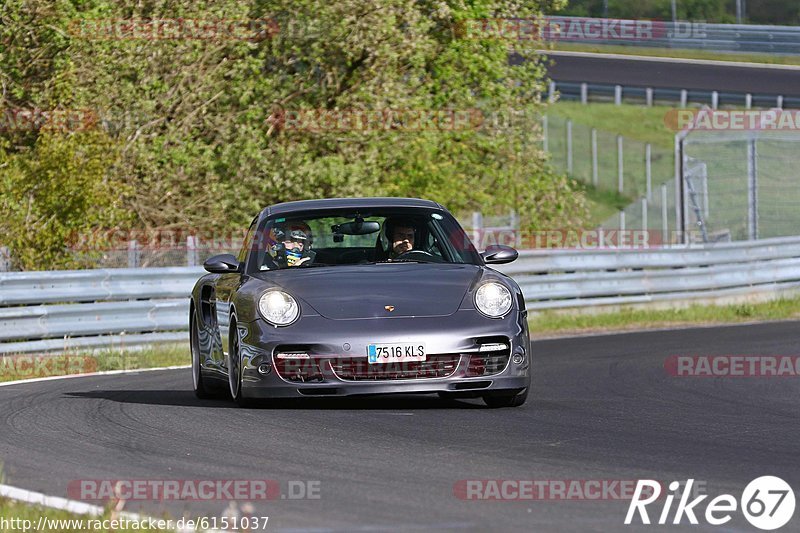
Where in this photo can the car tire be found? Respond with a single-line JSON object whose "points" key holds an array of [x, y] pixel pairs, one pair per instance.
{"points": [[514, 399], [201, 389], [235, 368]]}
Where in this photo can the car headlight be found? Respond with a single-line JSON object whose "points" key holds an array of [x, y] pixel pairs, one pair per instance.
{"points": [[493, 299], [278, 308]]}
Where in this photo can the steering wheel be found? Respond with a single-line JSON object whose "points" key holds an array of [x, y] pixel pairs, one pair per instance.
{"points": [[418, 255]]}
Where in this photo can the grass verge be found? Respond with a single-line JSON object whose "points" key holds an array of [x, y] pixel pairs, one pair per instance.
{"points": [[770, 59], [37, 365], [553, 323]]}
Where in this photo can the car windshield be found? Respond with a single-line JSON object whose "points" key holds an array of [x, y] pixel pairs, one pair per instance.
{"points": [[371, 236]]}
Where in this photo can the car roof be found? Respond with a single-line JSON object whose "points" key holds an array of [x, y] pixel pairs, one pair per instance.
{"points": [[347, 203]]}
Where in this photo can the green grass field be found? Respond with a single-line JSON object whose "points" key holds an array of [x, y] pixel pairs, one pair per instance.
{"points": [[26, 366], [638, 125], [555, 323]]}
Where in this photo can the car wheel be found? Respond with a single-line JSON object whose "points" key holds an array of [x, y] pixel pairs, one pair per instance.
{"points": [[235, 368], [514, 399], [200, 388]]}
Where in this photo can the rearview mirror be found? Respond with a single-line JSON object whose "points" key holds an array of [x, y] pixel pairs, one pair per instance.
{"points": [[356, 227], [222, 264], [499, 254]]}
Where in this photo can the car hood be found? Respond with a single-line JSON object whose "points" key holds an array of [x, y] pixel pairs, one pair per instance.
{"points": [[364, 291]]}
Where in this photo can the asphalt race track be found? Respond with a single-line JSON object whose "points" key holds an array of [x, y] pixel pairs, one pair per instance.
{"points": [[673, 74], [602, 408]]}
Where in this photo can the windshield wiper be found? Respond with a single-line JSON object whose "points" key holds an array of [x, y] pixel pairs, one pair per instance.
{"points": [[387, 261]]}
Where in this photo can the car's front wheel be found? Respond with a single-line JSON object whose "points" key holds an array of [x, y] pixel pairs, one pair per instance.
{"points": [[506, 399], [200, 388], [235, 367]]}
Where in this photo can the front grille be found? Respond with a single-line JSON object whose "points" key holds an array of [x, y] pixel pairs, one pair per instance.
{"points": [[488, 363], [358, 369]]}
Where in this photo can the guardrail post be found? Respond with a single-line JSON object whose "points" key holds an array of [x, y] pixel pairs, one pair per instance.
{"points": [[620, 169], [621, 220], [748, 101], [545, 145], [684, 97], [584, 93], [649, 96], [618, 94], [569, 147], [780, 102], [133, 254], [648, 170], [594, 157], [714, 99], [551, 95], [664, 215]]}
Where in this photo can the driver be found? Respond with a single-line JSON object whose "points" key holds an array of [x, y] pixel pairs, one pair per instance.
{"points": [[291, 244], [401, 235]]}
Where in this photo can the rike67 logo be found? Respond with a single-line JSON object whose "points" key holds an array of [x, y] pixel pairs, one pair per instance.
{"points": [[767, 503]]}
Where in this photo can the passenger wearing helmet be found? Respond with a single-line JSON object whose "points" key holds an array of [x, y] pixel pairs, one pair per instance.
{"points": [[291, 244]]}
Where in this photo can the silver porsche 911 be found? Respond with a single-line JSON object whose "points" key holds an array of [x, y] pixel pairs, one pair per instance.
{"points": [[343, 297]]}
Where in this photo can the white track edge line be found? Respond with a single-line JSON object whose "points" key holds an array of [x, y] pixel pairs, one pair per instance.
{"points": [[90, 374]]}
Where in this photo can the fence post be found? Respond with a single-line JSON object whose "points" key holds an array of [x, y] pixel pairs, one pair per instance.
{"points": [[5, 259], [752, 190], [133, 254], [551, 95], [584, 93], [664, 215], [618, 95], [477, 228], [644, 214], [191, 251], [684, 97], [569, 147], [545, 133], [648, 170], [594, 157], [649, 96], [678, 154], [620, 169], [621, 220]]}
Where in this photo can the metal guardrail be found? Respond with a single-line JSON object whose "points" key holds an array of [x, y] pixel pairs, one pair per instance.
{"points": [[113, 308], [681, 34]]}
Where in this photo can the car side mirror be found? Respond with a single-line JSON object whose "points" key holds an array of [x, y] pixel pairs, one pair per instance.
{"points": [[222, 264], [499, 254]]}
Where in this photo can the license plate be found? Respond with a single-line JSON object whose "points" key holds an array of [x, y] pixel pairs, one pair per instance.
{"points": [[395, 352]]}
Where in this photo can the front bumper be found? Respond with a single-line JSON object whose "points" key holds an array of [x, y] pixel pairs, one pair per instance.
{"points": [[336, 343]]}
